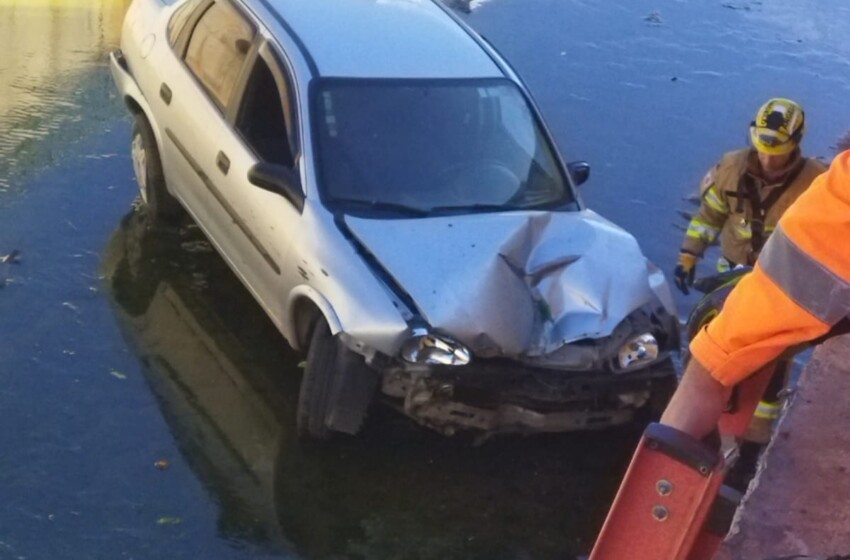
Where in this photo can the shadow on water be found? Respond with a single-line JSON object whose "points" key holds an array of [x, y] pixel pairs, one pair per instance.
{"points": [[227, 385]]}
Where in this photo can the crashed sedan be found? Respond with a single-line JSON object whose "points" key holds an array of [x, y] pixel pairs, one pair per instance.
{"points": [[381, 181]]}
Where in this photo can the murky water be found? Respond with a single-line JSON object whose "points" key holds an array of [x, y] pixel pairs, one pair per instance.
{"points": [[123, 350]]}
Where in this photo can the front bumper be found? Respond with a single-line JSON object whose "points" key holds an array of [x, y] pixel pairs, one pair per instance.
{"points": [[502, 397]]}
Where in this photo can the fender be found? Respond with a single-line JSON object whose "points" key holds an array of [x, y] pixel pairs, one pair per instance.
{"points": [[297, 296], [130, 90]]}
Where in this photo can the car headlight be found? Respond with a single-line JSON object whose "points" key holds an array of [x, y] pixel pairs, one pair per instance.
{"points": [[431, 349], [637, 351]]}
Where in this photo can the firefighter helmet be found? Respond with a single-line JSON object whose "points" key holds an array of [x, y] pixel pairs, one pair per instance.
{"points": [[778, 126]]}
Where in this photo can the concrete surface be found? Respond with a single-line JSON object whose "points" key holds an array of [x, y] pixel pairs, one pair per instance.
{"points": [[799, 502]]}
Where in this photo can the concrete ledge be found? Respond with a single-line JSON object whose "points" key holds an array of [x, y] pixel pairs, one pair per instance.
{"points": [[799, 502]]}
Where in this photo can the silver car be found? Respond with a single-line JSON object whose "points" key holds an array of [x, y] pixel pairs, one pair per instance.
{"points": [[380, 180]]}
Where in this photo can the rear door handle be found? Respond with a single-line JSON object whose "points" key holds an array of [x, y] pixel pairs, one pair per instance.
{"points": [[165, 93], [223, 162]]}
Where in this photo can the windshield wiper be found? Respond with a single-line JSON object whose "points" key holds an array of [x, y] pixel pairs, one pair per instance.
{"points": [[379, 205]]}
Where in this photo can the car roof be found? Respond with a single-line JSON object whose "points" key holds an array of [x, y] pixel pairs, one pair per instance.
{"points": [[383, 39]]}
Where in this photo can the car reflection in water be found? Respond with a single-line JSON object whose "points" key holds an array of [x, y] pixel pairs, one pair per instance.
{"points": [[227, 385]]}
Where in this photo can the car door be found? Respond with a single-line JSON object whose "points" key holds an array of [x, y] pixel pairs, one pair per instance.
{"points": [[205, 150], [265, 120], [197, 83]]}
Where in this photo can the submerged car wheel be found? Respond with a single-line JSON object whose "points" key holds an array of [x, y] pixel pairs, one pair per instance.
{"points": [[162, 207], [337, 388]]}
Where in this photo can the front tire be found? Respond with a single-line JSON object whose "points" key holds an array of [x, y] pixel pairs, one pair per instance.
{"points": [[163, 208], [337, 388], [314, 395]]}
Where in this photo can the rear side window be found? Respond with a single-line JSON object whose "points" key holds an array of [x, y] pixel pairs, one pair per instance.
{"points": [[179, 19], [217, 50]]}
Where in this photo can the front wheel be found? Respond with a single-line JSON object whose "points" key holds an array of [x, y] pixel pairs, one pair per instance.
{"points": [[162, 207], [337, 388]]}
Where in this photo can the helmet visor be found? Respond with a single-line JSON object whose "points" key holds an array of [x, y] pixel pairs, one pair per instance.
{"points": [[771, 141]]}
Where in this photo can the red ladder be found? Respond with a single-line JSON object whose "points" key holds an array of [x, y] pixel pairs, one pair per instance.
{"points": [[671, 504]]}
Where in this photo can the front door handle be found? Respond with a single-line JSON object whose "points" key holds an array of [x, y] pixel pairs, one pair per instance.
{"points": [[223, 162], [165, 93]]}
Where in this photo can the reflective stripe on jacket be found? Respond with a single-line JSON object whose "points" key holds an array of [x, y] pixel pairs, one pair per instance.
{"points": [[722, 214], [798, 289]]}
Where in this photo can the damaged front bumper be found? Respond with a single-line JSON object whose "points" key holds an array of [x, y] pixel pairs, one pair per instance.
{"points": [[499, 396]]}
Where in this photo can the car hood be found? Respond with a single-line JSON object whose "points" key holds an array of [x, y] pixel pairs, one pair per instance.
{"points": [[513, 284]]}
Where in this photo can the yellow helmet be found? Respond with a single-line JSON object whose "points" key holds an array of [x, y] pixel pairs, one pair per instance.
{"points": [[778, 127]]}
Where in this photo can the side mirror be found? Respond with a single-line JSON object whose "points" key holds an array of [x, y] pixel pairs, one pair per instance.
{"points": [[278, 179], [579, 171]]}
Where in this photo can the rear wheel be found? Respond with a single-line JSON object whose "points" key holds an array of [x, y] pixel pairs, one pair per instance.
{"points": [[162, 207]]}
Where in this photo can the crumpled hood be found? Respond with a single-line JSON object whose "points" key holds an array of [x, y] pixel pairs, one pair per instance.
{"points": [[513, 284]]}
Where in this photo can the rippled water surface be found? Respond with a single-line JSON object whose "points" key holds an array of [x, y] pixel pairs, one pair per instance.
{"points": [[148, 403], [53, 87]]}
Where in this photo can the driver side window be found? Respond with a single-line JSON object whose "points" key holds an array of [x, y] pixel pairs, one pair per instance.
{"points": [[265, 118]]}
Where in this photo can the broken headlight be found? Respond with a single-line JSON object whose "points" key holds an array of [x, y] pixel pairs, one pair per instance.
{"points": [[431, 349], [637, 352]]}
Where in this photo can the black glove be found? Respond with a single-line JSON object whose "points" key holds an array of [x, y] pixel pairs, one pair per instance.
{"points": [[685, 272]]}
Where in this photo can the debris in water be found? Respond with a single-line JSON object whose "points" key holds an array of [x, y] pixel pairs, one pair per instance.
{"points": [[199, 280], [116, 373], [653, 18], [196, 247], [100, 156], [11, 258], [843, 143], [731, 6], [169, 521]]}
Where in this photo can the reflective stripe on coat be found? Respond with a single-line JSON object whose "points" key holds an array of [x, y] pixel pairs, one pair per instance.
{"points": [[720, 213], [798, 289]]}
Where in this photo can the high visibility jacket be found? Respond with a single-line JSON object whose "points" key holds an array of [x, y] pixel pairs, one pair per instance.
{"points": [[798, 289], [726, 208]]}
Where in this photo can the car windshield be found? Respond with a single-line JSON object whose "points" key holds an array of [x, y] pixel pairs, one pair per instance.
{"points": [[433, 146]]}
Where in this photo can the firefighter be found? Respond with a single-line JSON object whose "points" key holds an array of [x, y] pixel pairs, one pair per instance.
{"points": [[743, 196], [799, 289], [742, 199]]}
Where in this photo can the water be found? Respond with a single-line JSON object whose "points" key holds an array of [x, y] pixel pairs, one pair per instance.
{"points": [[52, 73], [123, 349]]}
